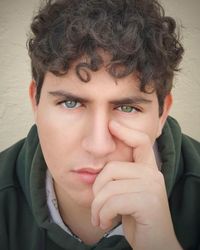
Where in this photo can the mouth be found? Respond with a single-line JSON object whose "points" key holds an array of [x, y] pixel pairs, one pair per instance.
{"points": [[87, 175]]}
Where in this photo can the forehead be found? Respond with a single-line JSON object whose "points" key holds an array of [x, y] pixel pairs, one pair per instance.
{"points": [[101, 83]]}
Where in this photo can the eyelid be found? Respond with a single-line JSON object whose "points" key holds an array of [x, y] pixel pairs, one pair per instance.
{"points": [[134, 106], [67, 100], [62, 102], [137, 109]]}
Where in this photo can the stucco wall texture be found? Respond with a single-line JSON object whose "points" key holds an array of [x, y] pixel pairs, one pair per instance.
{"points": [[15, 74]]}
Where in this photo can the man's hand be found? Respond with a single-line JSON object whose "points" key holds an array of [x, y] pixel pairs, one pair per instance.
{"points": [[135, 191]]}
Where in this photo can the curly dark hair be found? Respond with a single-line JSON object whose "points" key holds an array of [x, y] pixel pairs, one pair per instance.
{"points": [[135, 33]]}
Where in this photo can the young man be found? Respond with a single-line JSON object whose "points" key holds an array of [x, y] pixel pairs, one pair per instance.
{"points": [[104, 167]]}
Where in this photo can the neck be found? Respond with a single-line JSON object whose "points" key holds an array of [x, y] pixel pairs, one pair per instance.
{"points": [[78, 218]]}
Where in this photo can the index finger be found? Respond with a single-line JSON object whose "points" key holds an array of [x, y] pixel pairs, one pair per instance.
{"points": [[139, 141]]}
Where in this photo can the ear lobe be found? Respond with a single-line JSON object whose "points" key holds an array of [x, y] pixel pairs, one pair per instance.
{"points": [[32, 96], [166, 109]]}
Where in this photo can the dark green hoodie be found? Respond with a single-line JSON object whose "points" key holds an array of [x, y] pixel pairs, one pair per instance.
{"points": [[24, 216]]}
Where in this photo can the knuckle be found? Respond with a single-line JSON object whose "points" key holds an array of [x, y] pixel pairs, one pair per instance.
{"points": [[156, 175], [95, 204], [159, 183], [160, 177], [145, 139], [103, 215], [110, 188], [110, 167], [94, 188]]}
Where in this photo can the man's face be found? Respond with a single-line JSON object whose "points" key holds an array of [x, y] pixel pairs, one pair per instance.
{"points": [[73, 118]]}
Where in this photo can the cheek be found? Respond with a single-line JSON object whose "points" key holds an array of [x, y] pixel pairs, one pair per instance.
{"points": [[59, 138], [57, 125]]}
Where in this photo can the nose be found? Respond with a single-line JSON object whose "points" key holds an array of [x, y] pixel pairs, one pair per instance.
{"points": [[98, 140]]}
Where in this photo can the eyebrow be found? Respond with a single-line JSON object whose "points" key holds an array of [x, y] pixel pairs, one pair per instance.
{"points": [[120, 101], [67, 95]]}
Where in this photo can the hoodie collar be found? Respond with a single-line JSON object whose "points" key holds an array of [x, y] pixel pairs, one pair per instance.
{"points": [[169, 146]]}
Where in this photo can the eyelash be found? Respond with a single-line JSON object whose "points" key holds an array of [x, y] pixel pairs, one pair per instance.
{"points": [[65, 101], [137, 109], [132, 107]]}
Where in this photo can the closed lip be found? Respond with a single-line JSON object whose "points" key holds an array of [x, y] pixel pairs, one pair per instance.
{"points": [[88, 170]]}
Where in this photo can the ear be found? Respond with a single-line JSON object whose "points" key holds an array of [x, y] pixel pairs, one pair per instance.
{"points": [[32, 96], [166, 109]]}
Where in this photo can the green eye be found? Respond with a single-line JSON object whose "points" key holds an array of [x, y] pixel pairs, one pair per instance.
{"points": [[71, 104], [127, 109]]}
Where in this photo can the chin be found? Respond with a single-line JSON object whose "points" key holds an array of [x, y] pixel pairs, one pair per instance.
{"points": [[85, 200]]}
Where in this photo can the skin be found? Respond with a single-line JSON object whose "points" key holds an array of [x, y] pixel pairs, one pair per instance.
{"points": [[101, 132]]}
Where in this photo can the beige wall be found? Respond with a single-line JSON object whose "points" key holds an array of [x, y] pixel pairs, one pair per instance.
{"points": [[15, 111]]}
